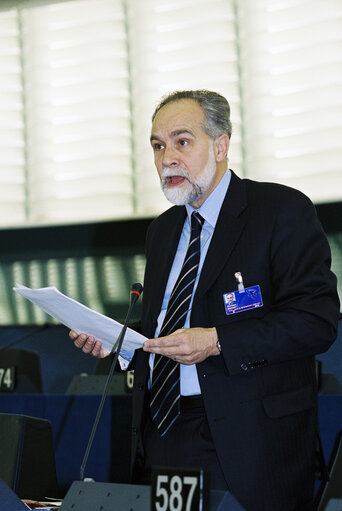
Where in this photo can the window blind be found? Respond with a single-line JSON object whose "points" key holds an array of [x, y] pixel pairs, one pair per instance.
{"points": [[188, 44], [81, 78], [76, 86], [12, 147], [291, 56]]}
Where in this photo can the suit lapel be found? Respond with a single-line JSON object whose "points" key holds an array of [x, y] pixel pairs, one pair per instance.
{"points": [[163, 258], [229, 226]]}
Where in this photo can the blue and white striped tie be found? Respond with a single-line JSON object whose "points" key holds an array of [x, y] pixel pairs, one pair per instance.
{"points": [[165, 387]]}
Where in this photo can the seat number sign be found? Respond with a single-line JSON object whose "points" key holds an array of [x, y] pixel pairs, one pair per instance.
{"points": [[7, 379], [177, 489]]}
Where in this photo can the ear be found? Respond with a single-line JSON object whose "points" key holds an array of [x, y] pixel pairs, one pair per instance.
{"points": [[221, 146]]}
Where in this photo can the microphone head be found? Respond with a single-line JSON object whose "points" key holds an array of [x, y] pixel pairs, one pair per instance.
{"points": [[136, 289]]}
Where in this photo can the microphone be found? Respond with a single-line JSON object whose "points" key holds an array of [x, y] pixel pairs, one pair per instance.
{"points": [[136, 290]]}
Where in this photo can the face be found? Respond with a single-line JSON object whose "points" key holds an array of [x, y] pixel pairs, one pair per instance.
{"points": [[188, 161]]}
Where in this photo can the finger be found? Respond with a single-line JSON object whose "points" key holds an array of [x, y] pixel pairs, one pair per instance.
{"points": [[166, 352], [80, 340], [89, 344], [167, 342], [97, 350], [73, 335]]}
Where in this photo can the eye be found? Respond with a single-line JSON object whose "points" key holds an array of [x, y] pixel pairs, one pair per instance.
{"points": [[183, 142], [156, 146]]}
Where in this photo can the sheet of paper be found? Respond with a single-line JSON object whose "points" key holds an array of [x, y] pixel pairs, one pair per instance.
{"points": [[80, 318]]}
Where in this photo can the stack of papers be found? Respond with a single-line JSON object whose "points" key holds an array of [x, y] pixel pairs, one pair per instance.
{"points": [[80, 318]]}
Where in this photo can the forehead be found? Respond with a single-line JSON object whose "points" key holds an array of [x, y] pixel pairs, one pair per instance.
{"points": [[177, 115]]}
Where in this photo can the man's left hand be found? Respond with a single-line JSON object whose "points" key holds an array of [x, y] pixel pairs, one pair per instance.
{"points": [[187, 345]]}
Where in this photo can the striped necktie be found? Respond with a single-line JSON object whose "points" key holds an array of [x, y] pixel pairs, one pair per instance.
{"points": [[165, 387]]}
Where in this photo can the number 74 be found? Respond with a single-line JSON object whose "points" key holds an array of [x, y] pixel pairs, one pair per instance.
{"points": [[6, 377]]}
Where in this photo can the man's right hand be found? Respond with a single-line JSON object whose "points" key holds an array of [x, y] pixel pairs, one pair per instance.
{"points": [[88, 344]]}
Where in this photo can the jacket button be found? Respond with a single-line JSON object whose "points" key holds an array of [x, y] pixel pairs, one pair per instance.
{"points": [[243, 367], [134, 430]]}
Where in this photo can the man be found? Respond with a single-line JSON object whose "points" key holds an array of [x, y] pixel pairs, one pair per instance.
{"points": [[248, 407]]}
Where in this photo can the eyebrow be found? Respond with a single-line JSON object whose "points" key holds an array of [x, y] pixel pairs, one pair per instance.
{"points": [[174, 133]]}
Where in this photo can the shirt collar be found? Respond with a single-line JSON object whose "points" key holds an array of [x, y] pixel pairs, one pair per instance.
{"points": [[211, 207]]}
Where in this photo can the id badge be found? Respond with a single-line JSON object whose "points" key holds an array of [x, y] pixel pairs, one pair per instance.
{"points": [[242, 300]]}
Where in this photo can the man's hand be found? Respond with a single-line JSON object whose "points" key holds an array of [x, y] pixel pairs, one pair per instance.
{"points": [[88, 344], [187, 346]]}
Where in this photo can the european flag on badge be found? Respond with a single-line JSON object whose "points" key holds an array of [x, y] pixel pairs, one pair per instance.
{"points": [[243, 299]]}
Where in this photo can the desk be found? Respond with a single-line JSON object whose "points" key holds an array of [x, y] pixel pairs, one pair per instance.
{"points": [[72, 418]]}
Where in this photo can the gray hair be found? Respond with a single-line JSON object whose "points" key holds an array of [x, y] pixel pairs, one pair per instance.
{"points": [[215, 107]]}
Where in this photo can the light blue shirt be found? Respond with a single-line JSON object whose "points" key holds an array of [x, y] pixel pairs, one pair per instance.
{"points": [[209, 210]]}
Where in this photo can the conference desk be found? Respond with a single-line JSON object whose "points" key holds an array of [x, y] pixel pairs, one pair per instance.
{"points": [[72, 418]]}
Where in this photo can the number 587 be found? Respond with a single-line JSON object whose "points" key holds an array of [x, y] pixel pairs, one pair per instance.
{"points": [[176, 493]]}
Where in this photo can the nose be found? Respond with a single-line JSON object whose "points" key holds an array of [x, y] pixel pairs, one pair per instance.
{"points": [[169, 157]]}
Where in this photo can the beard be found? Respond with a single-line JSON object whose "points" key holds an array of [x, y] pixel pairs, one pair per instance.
{"points": [[193, 188]]}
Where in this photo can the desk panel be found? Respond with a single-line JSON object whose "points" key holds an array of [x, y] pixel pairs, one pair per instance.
{"points": [[72, 419]]}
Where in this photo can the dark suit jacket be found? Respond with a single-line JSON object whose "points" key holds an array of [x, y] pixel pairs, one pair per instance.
{"points": [[260, 393]]}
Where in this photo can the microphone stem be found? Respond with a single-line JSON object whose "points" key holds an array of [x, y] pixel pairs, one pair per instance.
{"points": [[106, 388]]}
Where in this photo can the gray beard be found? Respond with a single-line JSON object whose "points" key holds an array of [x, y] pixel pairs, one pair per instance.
{"points": [[193, 189]]}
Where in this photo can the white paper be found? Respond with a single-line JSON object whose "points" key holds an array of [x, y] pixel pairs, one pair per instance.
{"points": [[80, 318]]}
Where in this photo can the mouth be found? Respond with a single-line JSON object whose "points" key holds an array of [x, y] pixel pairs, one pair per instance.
{"points": [[175, 180]]}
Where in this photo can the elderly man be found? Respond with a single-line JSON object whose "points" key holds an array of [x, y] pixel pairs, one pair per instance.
{"points": [[229, 388]]}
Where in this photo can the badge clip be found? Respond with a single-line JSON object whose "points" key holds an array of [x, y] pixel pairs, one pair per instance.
{"points": [[239, 280]]}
